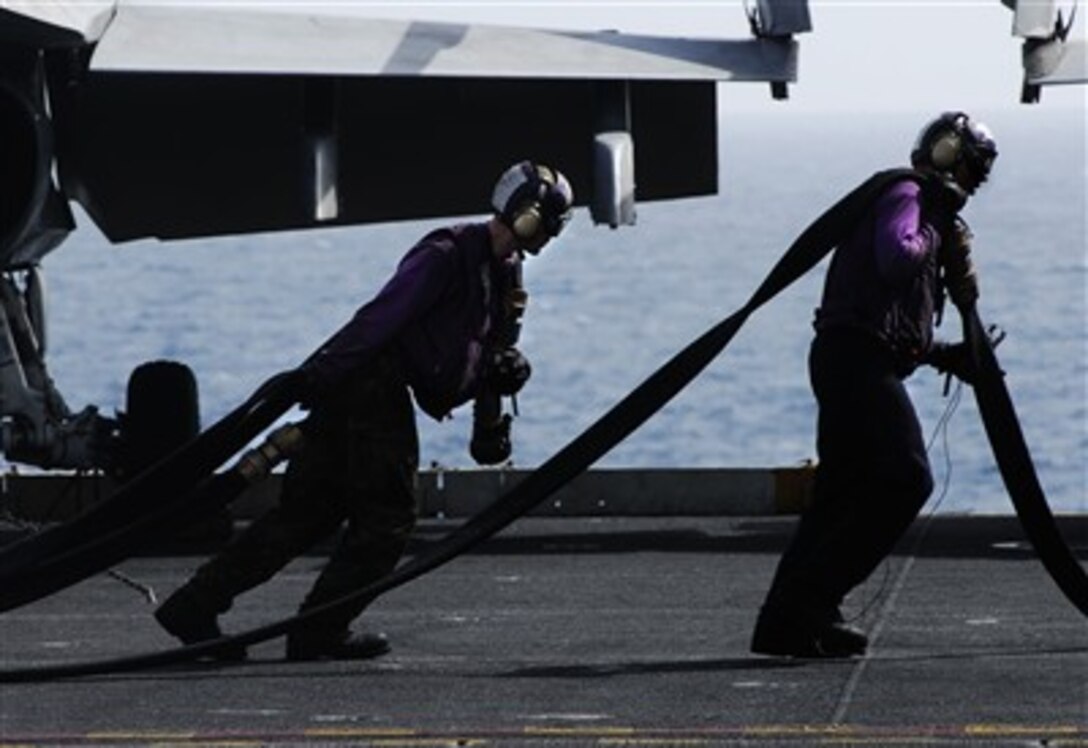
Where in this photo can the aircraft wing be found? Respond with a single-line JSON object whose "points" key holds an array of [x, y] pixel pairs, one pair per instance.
{"points": [[171, 39], [180, 120]]}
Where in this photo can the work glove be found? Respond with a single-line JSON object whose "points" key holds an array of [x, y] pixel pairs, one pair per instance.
{"points": [[490, 443], [958, 271], [506, 371], [952, 358]]}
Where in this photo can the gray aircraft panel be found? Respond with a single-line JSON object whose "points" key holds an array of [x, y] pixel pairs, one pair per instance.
{"points": [[56, 20]]}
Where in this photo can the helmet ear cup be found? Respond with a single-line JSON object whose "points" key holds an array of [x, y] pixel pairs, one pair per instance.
{"points": [[527, 219], [525, 222], [945, 151]]}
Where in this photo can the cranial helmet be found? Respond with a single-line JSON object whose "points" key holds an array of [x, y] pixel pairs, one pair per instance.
{"points": [[530, 198], [953, 139]]}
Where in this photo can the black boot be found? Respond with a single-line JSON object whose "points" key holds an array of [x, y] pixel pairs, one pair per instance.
{"points": [[802, 633], [186, 616], [342, 646]]}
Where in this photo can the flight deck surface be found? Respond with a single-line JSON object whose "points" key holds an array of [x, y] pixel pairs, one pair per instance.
{"points": [[618, 631]]}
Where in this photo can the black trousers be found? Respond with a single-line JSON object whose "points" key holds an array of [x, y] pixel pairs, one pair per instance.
{"points": [[358, 464], [872, 479]]}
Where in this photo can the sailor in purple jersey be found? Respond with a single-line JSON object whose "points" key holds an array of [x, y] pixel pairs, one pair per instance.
{"points": [[442, 329], [436, 327], [875, 325]]}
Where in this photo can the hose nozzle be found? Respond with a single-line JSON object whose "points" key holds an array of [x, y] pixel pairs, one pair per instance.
{"points": [[256, 464]]}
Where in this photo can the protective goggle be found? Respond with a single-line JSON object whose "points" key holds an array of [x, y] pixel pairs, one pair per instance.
{"points": [[980, 149]]}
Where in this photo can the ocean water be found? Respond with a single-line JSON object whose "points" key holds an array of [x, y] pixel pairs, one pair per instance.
{"points": [[607, 307]]}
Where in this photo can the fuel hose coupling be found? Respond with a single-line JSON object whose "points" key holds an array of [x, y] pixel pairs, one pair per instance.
{"points": [[256, 464]]}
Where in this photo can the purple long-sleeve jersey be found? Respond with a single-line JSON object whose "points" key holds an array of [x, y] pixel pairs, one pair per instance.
{"points": [[434, 314], [883, 279]]}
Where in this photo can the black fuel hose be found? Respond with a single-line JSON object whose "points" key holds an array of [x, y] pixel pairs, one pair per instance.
{"points": [[567, 464], [608, 431], [176, 476], [1017, 469], [813, 244]]}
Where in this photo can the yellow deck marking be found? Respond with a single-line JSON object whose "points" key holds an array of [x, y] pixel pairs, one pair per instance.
{"points": [[603, 735], [359, 732]]}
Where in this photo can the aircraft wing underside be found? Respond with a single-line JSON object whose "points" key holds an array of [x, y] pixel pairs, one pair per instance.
{"points": [[191, 155]]}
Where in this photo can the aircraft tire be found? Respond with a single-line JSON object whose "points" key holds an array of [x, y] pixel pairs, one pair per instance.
{"points": [[162, 413]]}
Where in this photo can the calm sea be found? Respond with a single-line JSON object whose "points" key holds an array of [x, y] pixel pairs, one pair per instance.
{"points": [[608, 307]]}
